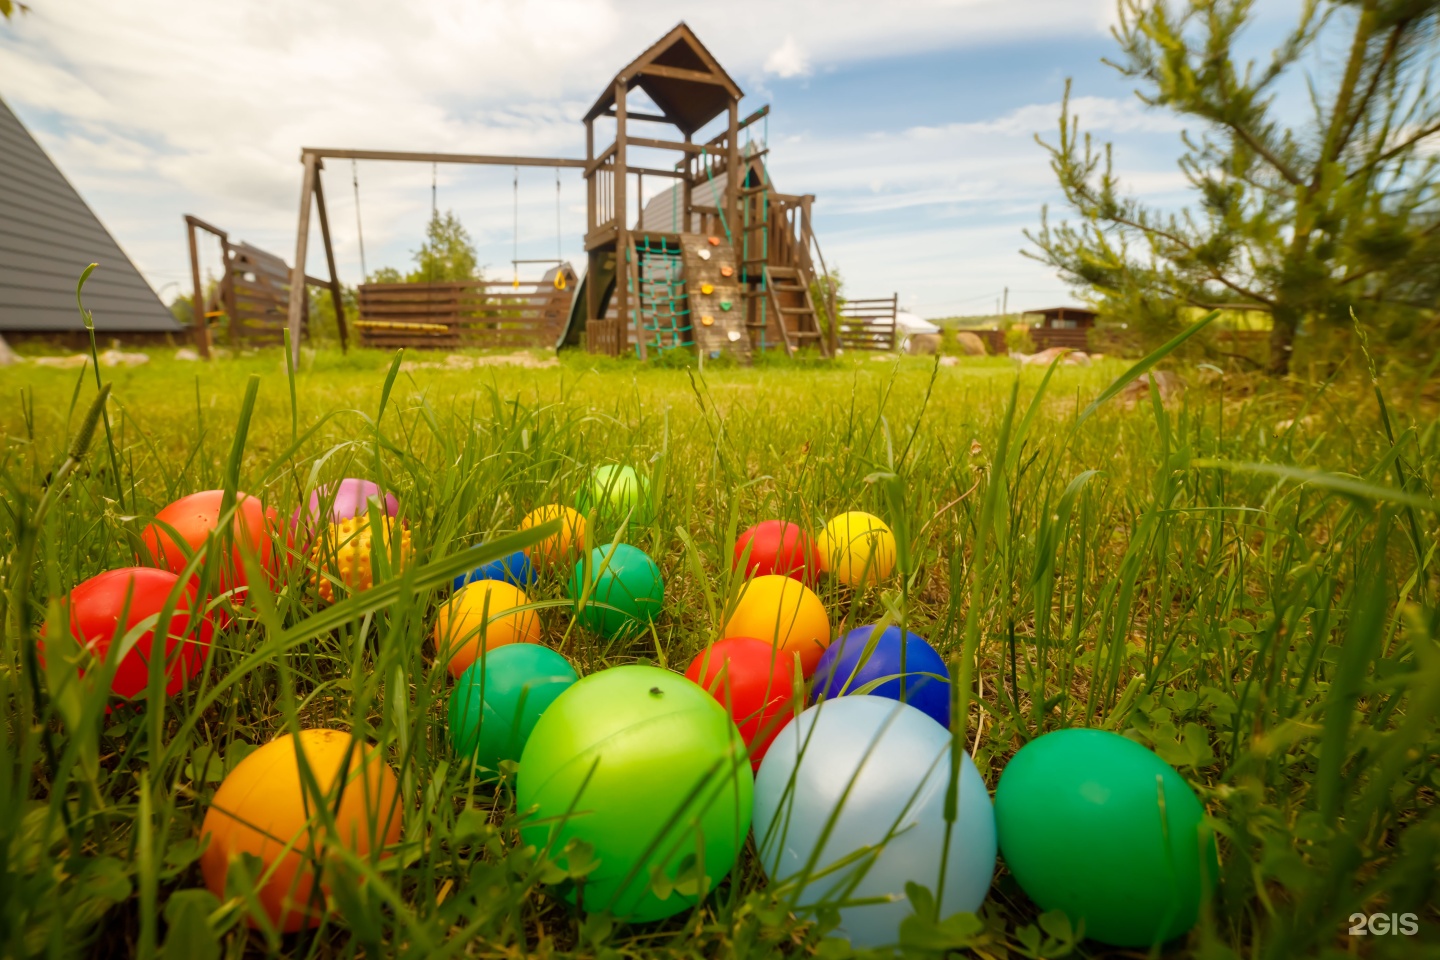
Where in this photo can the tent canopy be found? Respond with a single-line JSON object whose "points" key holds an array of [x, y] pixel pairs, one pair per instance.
{"points": [[909, 324]]}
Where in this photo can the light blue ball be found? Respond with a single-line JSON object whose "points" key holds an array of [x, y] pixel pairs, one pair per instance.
{"points": [[899, 761]]}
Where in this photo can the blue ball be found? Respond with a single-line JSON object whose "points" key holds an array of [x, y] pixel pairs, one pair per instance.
{"points": [[881, 770], [913, 663], [514, 569]]}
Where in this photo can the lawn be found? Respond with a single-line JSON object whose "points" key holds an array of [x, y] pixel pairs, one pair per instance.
{"points": [[1242, 579]]}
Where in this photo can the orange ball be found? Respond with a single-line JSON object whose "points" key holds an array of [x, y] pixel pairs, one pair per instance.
{"points": [[784, 612], [460, 621], [261, 807], [561, 547], [194, 517], [343, 553]]}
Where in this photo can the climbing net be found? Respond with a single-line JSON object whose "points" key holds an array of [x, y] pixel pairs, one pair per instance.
{"points": [[660, 298]]}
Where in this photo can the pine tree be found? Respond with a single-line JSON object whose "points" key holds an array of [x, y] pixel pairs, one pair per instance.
{"points": [[1311, 223]]}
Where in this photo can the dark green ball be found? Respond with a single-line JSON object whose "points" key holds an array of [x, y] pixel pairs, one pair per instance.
{"points": [[497, 701]]}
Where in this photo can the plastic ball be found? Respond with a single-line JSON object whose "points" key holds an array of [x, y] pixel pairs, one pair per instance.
{"points": [[261, 806], [344, 554], [647, 769], [464, 630], [514, 568], [626, 592], [1096, 825], [779, 547], [895, 764], [558, 547], [95, 606], [613, 492], [350, 498], [499, 698], [784, 612], [755, 684], [913, 663], [858, 548], [195, 517]]}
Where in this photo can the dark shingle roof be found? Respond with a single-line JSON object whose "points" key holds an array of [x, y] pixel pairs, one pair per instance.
{"points": [[47, 237]]}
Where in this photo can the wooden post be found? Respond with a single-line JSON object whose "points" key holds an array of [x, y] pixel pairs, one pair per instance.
{"points": [[297, 272], [732, 168], [200, 322], [687, 189], [623, 266], [335, 296]]}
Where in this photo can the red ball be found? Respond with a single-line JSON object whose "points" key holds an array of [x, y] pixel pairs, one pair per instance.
{"points": [[778, 547], [194, 517], [755, 683], [95, 607]]}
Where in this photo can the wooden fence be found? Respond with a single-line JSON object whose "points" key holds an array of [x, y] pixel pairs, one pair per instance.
{"points": [[448, 316], [868, 324], [1076, 338]]}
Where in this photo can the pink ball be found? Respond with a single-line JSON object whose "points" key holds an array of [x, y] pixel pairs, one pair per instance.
{"points": [[351, 500]]}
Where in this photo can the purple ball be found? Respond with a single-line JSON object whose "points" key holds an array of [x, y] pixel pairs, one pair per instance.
{"points": [[351, 498]]}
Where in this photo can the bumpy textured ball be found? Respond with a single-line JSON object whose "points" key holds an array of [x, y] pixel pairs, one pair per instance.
{"points": [[261, 807], [857, 548], [920, 676], [1094, 824], [891, 765], [500, 697], [784, 612], [481, 617], [647, 769], [560, 547], [344, 554]]}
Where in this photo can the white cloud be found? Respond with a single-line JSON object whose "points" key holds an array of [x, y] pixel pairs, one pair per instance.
{"points": [[169, 107], [787, 60]]}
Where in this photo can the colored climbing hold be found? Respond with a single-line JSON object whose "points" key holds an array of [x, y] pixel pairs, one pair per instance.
{"points": [[714, 241], [727, 271], [706, 320], [733, 335], [724, 304], [707, 288], [703, 254]]}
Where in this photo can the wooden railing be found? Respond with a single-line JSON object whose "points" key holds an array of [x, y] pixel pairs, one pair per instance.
{"points": [[488, 313], [868, 324]]}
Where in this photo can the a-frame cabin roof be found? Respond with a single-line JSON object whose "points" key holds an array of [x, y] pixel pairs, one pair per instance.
{"points": [[48, 235], [682, 78]]}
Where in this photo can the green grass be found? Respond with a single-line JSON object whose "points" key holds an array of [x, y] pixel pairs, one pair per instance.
{"points": [[1256, 602]]}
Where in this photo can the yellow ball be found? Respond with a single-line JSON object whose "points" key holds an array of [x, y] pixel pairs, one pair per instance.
{"points": [[560, 547], [459, 623], [857, 548], [785, 612], [261, 807], [343, 554]]}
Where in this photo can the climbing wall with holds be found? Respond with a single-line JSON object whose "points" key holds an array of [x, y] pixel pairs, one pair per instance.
{"points": [[712, 286]]}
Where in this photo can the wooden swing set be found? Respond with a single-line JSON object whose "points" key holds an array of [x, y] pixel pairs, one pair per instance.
{"points": [[719, 263]]}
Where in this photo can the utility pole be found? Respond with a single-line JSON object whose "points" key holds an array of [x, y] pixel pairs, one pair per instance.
{"points": [[1005, 311]]}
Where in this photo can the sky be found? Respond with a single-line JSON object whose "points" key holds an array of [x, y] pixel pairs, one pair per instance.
{"points": [[913, 122]]}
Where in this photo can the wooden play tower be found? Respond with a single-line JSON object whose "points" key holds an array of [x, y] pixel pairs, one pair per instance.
{"points": [[721, 261]]}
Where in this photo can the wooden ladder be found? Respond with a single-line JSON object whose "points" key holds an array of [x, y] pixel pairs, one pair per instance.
{"points": [[799, 326]]}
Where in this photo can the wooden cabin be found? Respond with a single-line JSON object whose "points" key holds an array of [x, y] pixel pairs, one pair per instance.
{"points": [[1062, 327]]}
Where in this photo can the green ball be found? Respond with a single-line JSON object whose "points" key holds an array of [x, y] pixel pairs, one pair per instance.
{"points": [[648, 770], [497, 701], [613, 491], [626, 593], [1079, 814]]}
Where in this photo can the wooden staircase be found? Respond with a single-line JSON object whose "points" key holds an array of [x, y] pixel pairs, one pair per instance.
{"points": [[788, 299]]}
